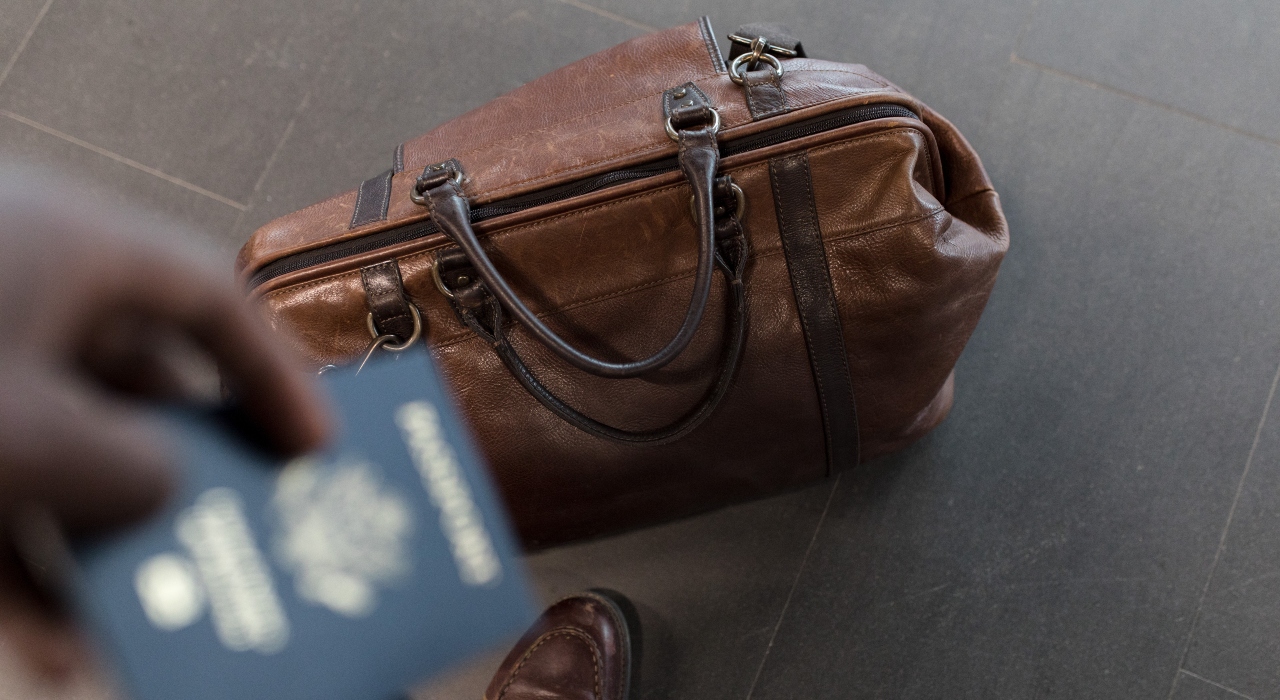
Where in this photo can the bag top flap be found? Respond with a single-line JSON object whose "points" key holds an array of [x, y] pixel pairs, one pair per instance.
{"points": [[598, 114]]}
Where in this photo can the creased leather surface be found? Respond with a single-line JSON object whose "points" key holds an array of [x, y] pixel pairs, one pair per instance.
{"points": [[912, 232]]}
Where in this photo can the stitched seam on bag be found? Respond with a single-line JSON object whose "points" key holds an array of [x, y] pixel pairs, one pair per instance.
{"points": [[386, 197], [356, 211], [502, 233], [756, 256], [512, 185], [616, 156], [713, 48], [313, 283], [648, 146], [549, 127], [971, 195], [465, 334], [880, 135], [847, 238], [559, 631]]}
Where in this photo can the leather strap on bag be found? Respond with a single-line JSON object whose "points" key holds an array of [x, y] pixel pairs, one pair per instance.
{"points": [[754, 64], [484, 302], [694, 124], [483, 314], [816, 304], [384, 296]]}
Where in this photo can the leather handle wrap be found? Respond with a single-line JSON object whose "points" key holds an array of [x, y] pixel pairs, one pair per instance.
{"points": [[698, 159]]}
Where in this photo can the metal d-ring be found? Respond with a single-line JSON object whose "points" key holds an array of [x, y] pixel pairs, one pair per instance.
{"points": [[715, 125], [735, 73], [421, 197], [380, 339], [435, 277], [739, 208]]}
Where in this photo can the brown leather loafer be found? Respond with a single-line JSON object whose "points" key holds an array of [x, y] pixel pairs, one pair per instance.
{"points": [[581, 648]]}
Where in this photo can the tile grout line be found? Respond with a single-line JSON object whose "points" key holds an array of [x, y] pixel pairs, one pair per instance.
{"points": [[1026, 27], [1004, 74], [1015, 58], [608, 15], [1216, 685], [121, 159], [786, 604], [22, 45], [271, 161], [1222, 540]]}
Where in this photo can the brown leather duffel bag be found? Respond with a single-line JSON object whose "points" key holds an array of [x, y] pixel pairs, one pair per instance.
{"points": [[660, 283]]}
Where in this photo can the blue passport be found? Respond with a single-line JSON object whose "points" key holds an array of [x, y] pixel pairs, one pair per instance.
{"points": [[348, 575]]}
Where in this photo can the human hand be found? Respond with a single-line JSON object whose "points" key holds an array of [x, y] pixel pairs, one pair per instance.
{"points": [[96, 310]]}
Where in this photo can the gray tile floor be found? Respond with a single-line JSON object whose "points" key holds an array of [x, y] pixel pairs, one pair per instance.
{"points": [[1099, 517]]}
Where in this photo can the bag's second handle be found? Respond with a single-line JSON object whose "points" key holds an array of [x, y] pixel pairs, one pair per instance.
{"points": [[483, 315], [438, 188]]}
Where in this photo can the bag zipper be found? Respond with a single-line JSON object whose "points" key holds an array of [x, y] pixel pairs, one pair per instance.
{"points": [[403, 234]]}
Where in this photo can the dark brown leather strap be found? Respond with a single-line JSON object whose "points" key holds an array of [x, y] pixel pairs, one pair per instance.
{"points": [[765, 97], [763, 85], [372, 200], [694, 123], [816, 303], [384, 296], [483, 315]]}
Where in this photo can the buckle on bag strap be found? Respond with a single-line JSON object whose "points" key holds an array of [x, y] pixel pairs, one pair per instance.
{"points": [[753, 44], [780, 40], [686, 107], [433, 176]]}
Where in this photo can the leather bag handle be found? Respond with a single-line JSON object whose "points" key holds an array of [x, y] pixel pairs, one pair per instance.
{"points": [[695, 128], [470, 303]]}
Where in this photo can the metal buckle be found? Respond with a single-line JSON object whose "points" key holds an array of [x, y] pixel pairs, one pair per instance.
{"points": [[745, 41], [715, 125], [382, 339], [418, 193]]}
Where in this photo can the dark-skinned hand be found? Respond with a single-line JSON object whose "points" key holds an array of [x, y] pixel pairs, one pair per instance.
{"points": [[95, 309]]}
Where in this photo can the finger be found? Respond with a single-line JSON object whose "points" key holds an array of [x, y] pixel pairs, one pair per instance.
{"points": [[130, 355], [263, 373], [47, 640], [91, 461]]}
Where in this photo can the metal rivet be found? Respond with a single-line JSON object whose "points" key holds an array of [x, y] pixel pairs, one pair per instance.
{"points": [[679, 93], [463, 279]]}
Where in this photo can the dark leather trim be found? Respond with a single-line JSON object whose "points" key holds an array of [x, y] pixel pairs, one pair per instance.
{"points": [[765, 97], [397, 159], [372, 200], [690, 96], [816, 302], [713, 48], [384, 296]]}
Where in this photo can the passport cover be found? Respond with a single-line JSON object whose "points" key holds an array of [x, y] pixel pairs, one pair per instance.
{"points": [[349, 575]]}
